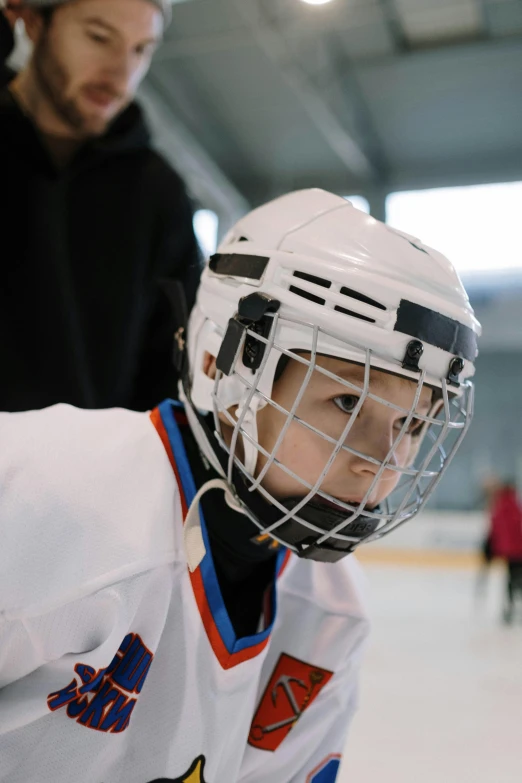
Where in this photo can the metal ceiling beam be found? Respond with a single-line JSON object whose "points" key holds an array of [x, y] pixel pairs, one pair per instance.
{"points": [[273, 44], [485, 17], [205, 181], [352, 95], [202, 44], [475, 170], [300, 27], [236, 39], [394, 24], [440, 51]]}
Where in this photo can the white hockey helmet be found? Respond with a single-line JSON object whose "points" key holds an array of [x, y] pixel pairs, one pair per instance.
{"points": [[308, 273]]}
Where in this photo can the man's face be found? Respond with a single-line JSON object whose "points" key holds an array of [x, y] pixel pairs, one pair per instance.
{"points": [[327, 406], [92, 57]]}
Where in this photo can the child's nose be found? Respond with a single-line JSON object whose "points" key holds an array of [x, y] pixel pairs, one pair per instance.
{"points": [[370, 448]]}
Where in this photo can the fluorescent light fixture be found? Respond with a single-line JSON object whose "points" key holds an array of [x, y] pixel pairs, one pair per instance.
{"points": [[316, 2]]}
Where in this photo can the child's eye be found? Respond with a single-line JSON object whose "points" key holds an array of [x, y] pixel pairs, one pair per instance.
{"points": [[346, 402], [145, 50], [101, 39]]}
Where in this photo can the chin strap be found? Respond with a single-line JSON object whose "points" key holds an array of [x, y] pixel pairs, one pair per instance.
{"points": [[201, 434], [192, 536], [249, 425]]}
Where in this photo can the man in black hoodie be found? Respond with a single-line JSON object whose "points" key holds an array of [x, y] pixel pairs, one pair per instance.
{"points": [[6, 47], [94, 222]]}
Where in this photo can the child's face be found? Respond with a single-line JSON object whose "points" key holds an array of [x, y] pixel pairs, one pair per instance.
{"points": [[326, 405]]}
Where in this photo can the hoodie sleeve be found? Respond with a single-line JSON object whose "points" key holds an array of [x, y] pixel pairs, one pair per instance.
{"points": [[178, 258]]}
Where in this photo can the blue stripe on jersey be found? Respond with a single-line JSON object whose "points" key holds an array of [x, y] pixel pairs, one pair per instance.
{"points": [[327, 774], [208, 571]]}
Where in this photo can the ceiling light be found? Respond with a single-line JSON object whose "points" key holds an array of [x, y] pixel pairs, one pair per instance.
{"points": [[316, 2]]}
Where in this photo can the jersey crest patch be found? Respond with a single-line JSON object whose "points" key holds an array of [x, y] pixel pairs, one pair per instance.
{"points": [[104, 699], [193, 775], [291, 689]]}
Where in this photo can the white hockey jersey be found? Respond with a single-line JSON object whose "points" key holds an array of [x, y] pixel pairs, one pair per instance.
{"points": [[118, 665]]}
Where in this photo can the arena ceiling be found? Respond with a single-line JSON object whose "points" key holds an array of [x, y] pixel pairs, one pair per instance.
{"points": [[352, 95]]}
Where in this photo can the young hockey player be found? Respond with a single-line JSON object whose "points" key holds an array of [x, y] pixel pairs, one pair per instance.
{"points": [[178, 602]]}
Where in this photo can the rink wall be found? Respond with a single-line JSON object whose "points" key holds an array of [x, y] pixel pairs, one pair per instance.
{"points": [[439, 538]]}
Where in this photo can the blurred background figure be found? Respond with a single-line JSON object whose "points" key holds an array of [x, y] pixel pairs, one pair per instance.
{"points": [[94, 221], [490, 486], [506, 541]]}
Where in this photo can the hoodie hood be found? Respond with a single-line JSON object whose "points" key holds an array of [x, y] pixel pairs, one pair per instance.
{"points": [[128, 133]]}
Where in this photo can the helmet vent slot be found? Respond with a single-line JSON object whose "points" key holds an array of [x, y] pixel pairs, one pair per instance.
{"points": [[307, 295], [354, 315], [313, 279], [361, 298], [321, 282]]}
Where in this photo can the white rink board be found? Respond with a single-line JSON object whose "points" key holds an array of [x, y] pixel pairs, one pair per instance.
{"points": [[441, 530]]}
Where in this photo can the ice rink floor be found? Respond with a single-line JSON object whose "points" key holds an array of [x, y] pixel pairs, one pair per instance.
{"points": [[441, 696]]}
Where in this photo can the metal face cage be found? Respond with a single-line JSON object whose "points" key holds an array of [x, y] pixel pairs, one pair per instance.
{"points": [[339, 529]]}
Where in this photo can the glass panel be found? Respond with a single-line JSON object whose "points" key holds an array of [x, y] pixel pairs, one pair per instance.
{"points": [[359, 202], [206, 229], [477, 227]]}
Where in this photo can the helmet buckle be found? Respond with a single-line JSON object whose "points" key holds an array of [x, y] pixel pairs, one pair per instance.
{"points": [[414, 351], [455, 369], [252, 315]]}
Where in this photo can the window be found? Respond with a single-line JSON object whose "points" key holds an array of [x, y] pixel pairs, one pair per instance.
{"points": [[359, 202], [476, 227], [206, 224]]}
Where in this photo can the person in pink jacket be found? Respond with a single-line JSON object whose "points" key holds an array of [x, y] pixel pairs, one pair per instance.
{"points": [[506, 540]]}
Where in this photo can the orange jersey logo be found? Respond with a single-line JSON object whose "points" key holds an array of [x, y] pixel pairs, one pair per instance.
{"points": [[291, 689]]}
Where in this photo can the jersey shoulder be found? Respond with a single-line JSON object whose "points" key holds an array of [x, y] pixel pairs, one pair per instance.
{"points": [[335, 588], [87, 498]]}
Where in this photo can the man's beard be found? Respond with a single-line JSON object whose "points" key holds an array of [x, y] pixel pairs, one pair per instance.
{"points": [[53, 80]]}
